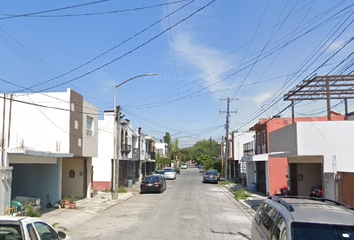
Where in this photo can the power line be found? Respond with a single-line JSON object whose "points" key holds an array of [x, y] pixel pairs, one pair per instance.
{"points": [[37, 14], [134, 49], [54, 10]]}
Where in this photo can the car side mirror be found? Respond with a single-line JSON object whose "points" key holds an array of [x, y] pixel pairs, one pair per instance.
{"points": [[62, 235]]}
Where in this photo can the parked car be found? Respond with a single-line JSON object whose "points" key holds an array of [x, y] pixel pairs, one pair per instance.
{"points": [[153, 183], [302, 218], [28, 228], [184, 166], [169, 173], [158, 172], [211, 176], [201, 168]]}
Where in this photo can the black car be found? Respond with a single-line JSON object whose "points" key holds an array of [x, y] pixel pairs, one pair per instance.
{"points": [[154, 183], [210, 176]]}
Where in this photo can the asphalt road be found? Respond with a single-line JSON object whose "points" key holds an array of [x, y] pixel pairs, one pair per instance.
{"points": [[188, 209]]}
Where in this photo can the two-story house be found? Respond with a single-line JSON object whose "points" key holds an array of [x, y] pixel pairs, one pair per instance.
{"points": [[236, 167], [319, 155], [271, 169], [49, 140], [136, 155]]}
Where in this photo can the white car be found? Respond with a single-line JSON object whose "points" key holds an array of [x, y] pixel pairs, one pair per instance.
{"points": [[28, 228], [184, 166], [169, 173]]}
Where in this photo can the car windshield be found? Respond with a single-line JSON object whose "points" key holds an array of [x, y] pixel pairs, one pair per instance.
{"points": [[168, 170], [211, 173], [152, 179], [159, 172], [314, 231]]}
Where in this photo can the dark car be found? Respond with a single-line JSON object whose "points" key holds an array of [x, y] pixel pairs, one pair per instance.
{"points": [[210, 176], [154, 183]]}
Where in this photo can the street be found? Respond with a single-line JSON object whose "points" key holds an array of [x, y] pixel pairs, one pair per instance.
{"points": [[188, 209]]}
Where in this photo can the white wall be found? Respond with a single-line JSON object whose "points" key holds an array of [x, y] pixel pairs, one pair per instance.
{"points": [[161, 147], [239, 139], [102, 163], [39, 128], [331, 139]]}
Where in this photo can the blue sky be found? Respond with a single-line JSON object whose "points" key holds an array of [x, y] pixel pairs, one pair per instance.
{"points": [[202, 50]]}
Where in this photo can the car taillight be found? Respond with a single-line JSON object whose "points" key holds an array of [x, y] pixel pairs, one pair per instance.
{"points": [[157, 183], [205, 175], [143, 183]]}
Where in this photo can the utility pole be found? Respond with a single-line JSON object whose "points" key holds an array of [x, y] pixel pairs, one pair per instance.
{"points": [[116, 159], [226, 156]]}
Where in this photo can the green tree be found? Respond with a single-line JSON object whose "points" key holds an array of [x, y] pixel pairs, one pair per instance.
{"points": [[161, 161], [174, 149]]}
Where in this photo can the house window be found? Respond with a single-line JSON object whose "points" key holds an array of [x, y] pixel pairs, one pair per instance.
{"points": [[258, 143], [79, 142], [89, 126], [76, 123], [71, 174], [72, 107], [264, 142]]}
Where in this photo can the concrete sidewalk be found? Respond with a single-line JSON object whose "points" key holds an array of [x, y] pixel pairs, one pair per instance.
{"points": [[68, 219], [252, 202]]}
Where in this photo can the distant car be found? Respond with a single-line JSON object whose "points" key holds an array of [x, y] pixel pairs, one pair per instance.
{"points": [[153, 183], [210, 176], [169, 173], [28, 228], [201, 166], [158, 172], [184, 166]]}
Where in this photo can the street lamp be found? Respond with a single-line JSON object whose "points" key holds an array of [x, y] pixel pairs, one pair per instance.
{"points": [[117, 133]]}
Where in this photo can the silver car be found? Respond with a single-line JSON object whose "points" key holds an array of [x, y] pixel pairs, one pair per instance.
{"points": [[169, 173], [296, 218]]}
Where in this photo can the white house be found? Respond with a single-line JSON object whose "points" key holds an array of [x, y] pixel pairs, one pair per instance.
{"points": [[238, 169], [136, 150], [319, 154], [161, 149], [49, 140]]}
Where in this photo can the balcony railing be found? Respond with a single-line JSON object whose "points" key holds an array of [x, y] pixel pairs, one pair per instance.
{"points": [[126, 148]]}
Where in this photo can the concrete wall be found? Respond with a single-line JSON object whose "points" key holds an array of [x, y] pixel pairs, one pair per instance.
{"points": [[277, 168], [76, 124], [30, 124], [238, 140], [332, 140], [90, 143], [73, 185], [312, 176], [102, 164]]}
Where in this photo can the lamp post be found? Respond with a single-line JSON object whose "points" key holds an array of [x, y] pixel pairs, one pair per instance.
{"points": [[117, 137]]}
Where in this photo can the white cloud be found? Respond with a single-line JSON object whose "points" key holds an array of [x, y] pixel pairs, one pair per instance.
{"points": [[205, 59], [261, 97]]}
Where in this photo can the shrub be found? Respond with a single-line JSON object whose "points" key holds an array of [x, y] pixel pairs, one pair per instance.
{"points": [[242, 194], [122, 190], [30, 211]]}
